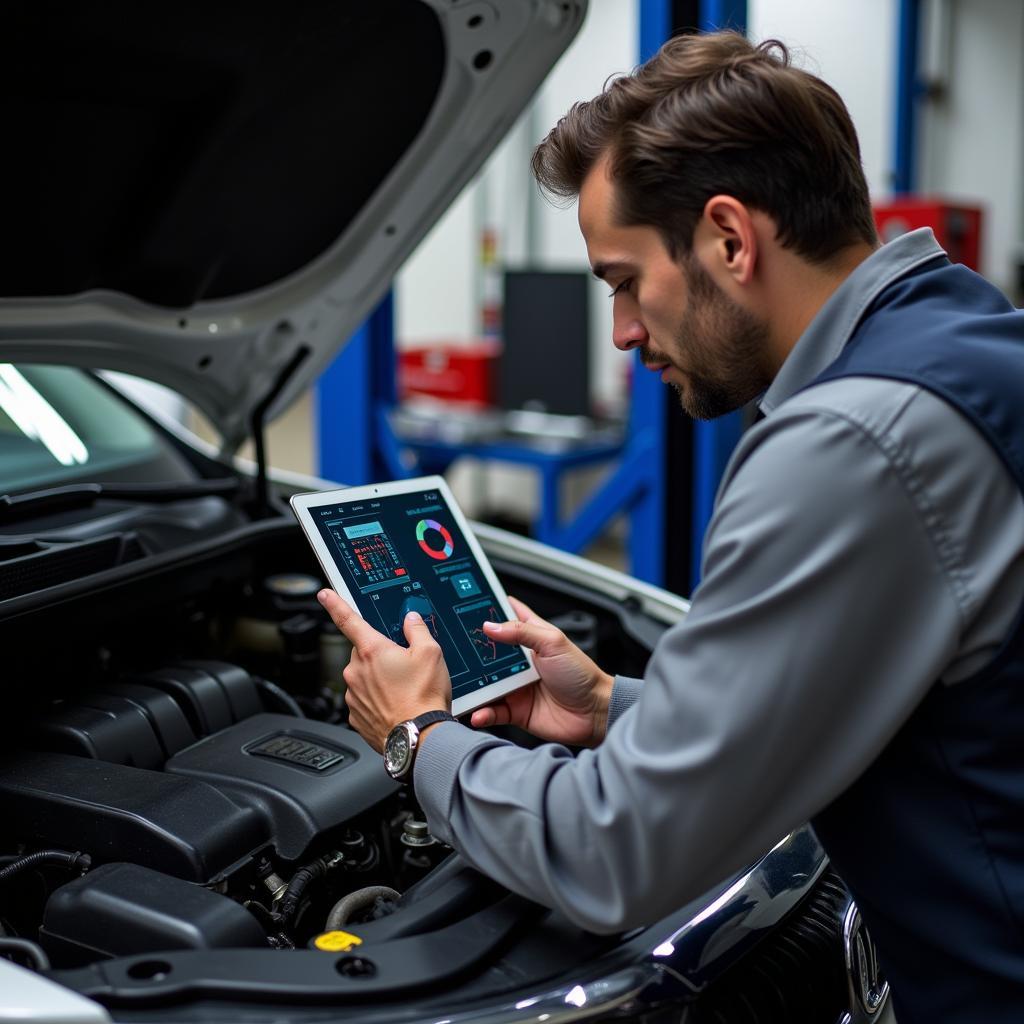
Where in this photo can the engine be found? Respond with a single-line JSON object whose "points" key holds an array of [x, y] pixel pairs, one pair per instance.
{"points": [[211, 812]]}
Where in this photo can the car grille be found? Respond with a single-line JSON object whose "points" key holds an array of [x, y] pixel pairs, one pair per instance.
{"points": [[796, 974]]}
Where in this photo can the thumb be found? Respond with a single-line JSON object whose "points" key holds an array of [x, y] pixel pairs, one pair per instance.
{"points": [[416, 631]]}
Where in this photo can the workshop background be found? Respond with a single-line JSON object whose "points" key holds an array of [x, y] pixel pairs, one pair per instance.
{"points": [[442, 374]]}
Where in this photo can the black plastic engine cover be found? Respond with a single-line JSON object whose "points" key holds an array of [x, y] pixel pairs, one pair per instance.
{"points": [[125, 909], [118, 813], [304, 777], [144, 721]]}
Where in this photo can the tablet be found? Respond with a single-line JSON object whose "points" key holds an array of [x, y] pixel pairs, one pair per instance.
{"points": [[393, 548]]}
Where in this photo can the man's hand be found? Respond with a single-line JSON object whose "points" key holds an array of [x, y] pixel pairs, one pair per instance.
{"points": [[569, 704], [387, 683]]}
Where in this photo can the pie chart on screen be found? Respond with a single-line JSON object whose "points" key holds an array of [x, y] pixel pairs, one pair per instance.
{"points": [[434, 539]]}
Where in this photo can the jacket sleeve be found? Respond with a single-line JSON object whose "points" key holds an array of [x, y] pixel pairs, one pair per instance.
{"points": [[625, 693]]}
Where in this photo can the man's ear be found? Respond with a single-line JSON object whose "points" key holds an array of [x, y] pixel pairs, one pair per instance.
{"points": [[726, 239]]}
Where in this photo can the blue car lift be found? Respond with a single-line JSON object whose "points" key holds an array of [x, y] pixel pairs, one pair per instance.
{"points": [[909, 90], [713, 441], [358, 445]]}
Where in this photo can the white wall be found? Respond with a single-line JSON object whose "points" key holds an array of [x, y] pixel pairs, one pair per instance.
{"points": [[434, 295], [972, 131], [607, 45], [852, 46]]}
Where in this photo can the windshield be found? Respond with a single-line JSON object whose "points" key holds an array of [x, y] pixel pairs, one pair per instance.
{"points": [[60, 425]]}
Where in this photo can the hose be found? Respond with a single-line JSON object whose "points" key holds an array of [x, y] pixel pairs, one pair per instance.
{"points": [[277, 698], [28, 949], [300, 882], [358, 900], [72, 861]]}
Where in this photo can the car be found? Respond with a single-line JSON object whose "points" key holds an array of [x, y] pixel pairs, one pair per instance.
{"points": [[211, 198]]}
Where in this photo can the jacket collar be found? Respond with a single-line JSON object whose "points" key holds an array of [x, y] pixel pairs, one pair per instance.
{"points": [[834, 324]]}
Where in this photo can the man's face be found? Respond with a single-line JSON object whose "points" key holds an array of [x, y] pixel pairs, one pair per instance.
{"points": [[707, 346]]}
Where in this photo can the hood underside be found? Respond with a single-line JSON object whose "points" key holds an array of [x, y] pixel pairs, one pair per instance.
{"points": [[199, 194]]}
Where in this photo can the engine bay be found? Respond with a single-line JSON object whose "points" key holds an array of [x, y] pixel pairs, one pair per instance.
{"points": [[178, 773]]}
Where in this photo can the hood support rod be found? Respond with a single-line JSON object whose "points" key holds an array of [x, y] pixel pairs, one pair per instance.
{"points": [[258, 432]]}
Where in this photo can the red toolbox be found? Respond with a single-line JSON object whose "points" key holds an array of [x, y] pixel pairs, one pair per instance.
{"points": [[465, 374], [957, 227]]}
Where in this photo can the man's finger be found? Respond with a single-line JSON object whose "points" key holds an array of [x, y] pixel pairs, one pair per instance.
{"points": [[345, 617], [526, 634], [417, 632]]}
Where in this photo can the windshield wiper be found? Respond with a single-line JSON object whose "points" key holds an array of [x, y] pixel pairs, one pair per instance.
{"points": [[57, 499]]}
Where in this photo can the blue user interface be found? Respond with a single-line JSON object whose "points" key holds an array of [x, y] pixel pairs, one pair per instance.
{"points": [[405, 553]]}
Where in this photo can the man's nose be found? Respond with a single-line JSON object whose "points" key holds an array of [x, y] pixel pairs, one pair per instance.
{"points": [[628, 333]]}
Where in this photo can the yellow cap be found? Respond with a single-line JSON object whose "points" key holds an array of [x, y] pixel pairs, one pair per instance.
{"points": [[336, 942]]}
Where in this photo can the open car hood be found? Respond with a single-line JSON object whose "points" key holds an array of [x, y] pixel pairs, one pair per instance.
{"points": [[206, 195]]}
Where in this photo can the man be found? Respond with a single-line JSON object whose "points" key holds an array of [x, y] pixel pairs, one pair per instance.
{"points": [[854, 654]]}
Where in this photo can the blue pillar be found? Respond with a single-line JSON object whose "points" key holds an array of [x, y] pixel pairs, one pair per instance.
{"points": [[647, 525], [713, 440], [349, 396], [655, 26], [719, 14], [648, 396], [908, 91]]}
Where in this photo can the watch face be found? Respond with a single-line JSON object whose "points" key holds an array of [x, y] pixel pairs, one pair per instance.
{"points": [[397, 751]]}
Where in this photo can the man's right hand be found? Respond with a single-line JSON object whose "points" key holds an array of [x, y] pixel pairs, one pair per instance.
{"points": [[569, 704]]}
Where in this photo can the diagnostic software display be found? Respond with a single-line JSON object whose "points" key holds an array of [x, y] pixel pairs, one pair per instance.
{"points": [[407, 552]]}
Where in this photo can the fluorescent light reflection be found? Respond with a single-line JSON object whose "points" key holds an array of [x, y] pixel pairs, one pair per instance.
{"points": [[576, 996], [37, 419]]}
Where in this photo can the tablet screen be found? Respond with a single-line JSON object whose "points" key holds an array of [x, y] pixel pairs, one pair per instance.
{"points": [[406, 553]]}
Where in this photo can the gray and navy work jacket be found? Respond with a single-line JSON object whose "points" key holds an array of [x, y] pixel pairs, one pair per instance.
{"points": [[930, 838]]}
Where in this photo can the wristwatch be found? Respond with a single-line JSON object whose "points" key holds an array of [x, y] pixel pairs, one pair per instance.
{"points": [[400, 746]]}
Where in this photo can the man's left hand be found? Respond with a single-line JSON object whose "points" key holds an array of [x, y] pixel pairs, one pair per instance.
{"points": [[388, 683]]}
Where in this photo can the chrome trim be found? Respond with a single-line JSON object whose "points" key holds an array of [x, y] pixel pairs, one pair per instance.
{"points": [[562, 1005], [869, 991]]}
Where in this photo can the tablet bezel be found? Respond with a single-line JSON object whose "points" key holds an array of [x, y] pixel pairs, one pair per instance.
{"points": [[302, 504]]}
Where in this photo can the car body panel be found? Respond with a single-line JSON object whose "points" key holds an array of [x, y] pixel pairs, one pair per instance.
{"points": [[226, 354]]}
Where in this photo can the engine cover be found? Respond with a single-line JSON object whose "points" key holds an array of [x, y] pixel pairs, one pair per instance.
{"points": [[182, 771], [303, 777]]}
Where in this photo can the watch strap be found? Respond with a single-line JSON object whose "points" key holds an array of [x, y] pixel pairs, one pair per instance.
{"points": [[430, 717]]}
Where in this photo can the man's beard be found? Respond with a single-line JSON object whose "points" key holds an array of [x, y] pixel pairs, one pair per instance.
{"points": [[719, 347]]}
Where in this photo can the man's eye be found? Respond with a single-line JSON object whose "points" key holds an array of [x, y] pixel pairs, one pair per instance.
{"points": [[618, 288]]}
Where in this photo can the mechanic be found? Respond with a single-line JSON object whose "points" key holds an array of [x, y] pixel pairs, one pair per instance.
{"points": [[853, 654]]}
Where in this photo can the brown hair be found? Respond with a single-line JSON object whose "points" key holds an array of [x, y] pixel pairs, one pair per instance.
{"points": [[711, 114]]}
